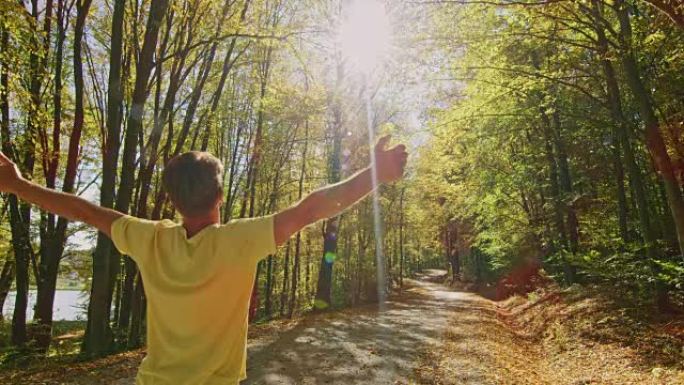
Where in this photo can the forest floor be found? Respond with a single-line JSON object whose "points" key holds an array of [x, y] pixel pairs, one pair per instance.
{"points": [[430, 334], [576, 336]]}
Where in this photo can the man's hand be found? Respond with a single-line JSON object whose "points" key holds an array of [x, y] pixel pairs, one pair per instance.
{"points": [[330, 201], [389, 163], [10, 176]]}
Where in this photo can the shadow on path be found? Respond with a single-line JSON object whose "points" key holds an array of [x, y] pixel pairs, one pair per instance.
{"points": [[364, 345]]}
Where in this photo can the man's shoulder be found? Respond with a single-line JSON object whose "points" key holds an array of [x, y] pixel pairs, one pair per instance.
{"points": [[148, 223]]}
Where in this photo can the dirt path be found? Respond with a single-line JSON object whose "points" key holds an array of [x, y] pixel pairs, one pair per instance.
{"points": [[427, 334], [363, 345]]}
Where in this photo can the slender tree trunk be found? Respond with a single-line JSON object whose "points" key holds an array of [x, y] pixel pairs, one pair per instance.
{"points": [[135, 119], [231, 189], [668, 229], [20, 213], [6, 278], [623, 139], [324, 286], [621, 196], [298, 240], [50, 249], [134, 339], [359, 264], [451, 246], [202, 78], [50, 246], [228, 63], [269, 287], [264, 74], [20, 236], [307, 287], [147, 170], [401, 238], [286, 277], [556, 194], [127, 292], [56, 236], [125, 198], [572, 224], [98, 339]]}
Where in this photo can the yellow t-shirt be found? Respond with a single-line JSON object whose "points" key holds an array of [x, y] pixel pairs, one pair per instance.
{"points": [[198, 293]]}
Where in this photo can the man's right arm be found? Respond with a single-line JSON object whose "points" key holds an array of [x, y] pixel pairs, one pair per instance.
{"points": [[65, 205]]}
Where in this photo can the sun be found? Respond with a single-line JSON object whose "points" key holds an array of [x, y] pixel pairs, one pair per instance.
{"points": [[365, 34]]}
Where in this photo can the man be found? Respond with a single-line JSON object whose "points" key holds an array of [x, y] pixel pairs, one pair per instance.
{"points": [[199, 274]]}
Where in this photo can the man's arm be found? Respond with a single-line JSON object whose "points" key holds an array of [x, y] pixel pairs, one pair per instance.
{"points": [[65, 205], [330, 201]]}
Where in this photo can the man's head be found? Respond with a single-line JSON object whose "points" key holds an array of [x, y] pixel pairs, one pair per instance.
{"points": [[193, 182]]}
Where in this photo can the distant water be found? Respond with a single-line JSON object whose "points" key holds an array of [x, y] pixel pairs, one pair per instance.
{"points": [[69, 305]]}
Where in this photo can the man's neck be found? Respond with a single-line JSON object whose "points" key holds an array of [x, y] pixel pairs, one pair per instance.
{"points": [[194, 225]]}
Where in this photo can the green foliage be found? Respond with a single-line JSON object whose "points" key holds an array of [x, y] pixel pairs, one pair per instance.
{"points": [[529, 137]]}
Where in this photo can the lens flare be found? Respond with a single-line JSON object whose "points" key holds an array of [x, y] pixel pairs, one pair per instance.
{"points": [[377, 224], [365, 34], [365, 42]]}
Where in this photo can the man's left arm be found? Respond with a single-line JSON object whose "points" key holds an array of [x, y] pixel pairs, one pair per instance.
{"points": [[331, 200]]}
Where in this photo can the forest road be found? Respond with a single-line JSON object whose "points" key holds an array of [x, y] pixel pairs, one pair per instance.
{"points": [[361, 345], [366, 345]]}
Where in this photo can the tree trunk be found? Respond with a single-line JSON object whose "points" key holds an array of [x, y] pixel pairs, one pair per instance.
{"points": [[361, 251], [20, 214], [228, 63], [654, 139], [20, 236], [298, 240], [98, 339], [264, 74], [572, 224], [201, 80], [145, 177], [286, 277], [401, 238], [451, 248], [135, 332], [56, 237], [620, 194], [127, 292], [324, 287], [269, 287], [668, 229], [6, 278], [556, 195], [622, 131], [323, 297]]}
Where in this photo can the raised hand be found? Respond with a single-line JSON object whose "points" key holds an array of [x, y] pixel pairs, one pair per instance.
{"points": [[9, 174], [390, 163]]}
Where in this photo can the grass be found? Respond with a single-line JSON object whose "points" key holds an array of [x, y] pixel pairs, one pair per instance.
{"points": [[66, 341]]}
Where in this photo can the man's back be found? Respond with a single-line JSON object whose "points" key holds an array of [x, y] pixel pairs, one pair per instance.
{"points": [[198, 292], [198, 288]]}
